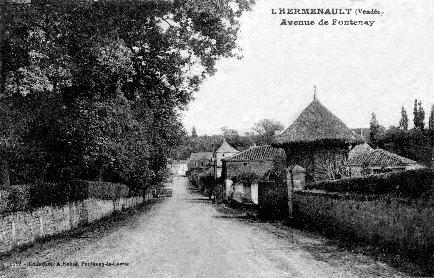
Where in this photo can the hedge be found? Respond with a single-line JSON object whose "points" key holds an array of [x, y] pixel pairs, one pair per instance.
{"points": [[203, 180], [412, 184], [28, 196]]}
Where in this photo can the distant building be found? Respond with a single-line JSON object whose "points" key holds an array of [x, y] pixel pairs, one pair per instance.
{"points": [[257, 162], [359, 149], [177, 167], [225, 150], [200, 161], [318, 141], [376, 161]]}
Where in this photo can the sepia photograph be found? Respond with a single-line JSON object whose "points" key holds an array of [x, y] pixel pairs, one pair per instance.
{"points": [[216, 138]]}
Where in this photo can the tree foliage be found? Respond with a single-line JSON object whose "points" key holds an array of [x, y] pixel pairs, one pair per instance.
{"points": [[416, 143], [374, 127], [94, 89], [265, 131], [403, 122], [419, 115]]}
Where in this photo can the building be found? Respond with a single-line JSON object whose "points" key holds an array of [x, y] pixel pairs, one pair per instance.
{"points": [[359, 149], [225, 150], [318, 141], [376, 161], [199, 161], [177, 167], [242, 171]]}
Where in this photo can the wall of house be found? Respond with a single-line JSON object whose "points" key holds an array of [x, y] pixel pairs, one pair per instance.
{"points": [[399, 224], [233, 169], [199, 164], [24, 227], [317, 160]]}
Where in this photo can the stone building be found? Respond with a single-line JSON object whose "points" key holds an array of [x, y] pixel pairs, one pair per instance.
{"points": [[199, 161], [318, 141], [359, 149], [225, 150], [376, 161], [242, 171], [177, 167]]}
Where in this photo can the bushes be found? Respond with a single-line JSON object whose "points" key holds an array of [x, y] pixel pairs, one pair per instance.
{"points": [[23, 197], [413, 184], [56, 194], [203, 180], [105, 190], [18, 198], [404, 227]]}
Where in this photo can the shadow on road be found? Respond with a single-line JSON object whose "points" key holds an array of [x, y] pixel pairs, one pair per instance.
{"points": [[200, 200]]}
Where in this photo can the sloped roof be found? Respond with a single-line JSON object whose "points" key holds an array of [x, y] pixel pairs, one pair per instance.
{"points": [[226, 148], [260, 153], [359, 149], [200, 156], [379, 157], [317, 123]]}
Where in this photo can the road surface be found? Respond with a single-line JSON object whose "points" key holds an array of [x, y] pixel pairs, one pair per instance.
{"points": [[187, 236]]}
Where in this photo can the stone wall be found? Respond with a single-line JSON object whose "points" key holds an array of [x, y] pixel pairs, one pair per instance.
{"points": [[24, 227]]}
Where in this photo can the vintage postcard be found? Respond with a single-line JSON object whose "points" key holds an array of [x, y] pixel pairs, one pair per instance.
{"points": [[216, 138]]}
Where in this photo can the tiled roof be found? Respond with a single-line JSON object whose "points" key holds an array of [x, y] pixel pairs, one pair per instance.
{"points": [[260, 153], [201, 156], [359, 149], [317, 123], [379, 157], [226, 148]]}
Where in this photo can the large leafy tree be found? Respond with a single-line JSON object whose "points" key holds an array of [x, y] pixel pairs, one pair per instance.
{"points": [[265, 131], [94, 89]]}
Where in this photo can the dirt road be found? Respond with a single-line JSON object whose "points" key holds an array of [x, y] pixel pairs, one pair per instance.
{"points": [[186, 236]]}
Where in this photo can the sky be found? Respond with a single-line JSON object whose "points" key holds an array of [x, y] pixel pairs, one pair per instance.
{"points": [[357, 69]]}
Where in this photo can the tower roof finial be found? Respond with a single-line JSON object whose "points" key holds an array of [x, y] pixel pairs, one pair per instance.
{"points": [[314, 92]]}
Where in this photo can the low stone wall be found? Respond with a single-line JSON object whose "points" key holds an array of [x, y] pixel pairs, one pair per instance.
{"points": [[398, 224], [24, 227]]}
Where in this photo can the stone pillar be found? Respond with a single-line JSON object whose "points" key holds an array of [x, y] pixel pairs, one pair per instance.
{"points": [[290, 190], [298, 177], [227, 189]]}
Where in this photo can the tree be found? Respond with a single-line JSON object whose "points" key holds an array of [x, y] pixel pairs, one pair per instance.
{"points": [[94, 89], [193, 133], [419, 115], [236, 140], [373, 130], [403, 123], [431, 119], [265, 131], [415, 114]]}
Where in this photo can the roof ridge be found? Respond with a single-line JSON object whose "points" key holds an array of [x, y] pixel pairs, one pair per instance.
{"points": [[316, 123]]}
